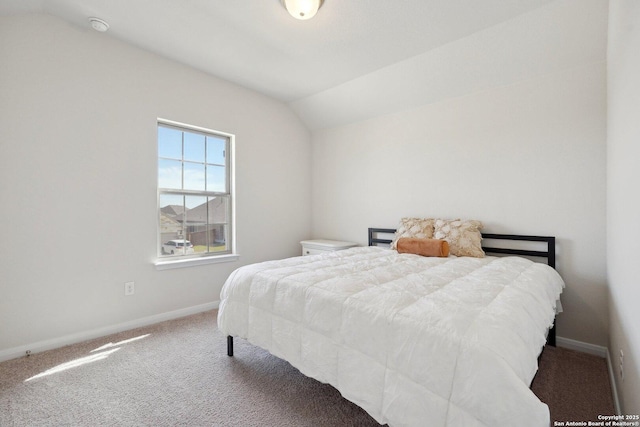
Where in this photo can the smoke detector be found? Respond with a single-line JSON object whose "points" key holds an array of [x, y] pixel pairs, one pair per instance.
{"points": [[98, 24]]}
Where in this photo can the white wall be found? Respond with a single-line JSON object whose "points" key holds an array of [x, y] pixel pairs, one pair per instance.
{"points": [[525, 157], [553, 37], [78, 116], [77, 170], [623, 228]]}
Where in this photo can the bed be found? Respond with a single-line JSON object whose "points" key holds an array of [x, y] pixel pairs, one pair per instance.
{"points": [[414, 341]]}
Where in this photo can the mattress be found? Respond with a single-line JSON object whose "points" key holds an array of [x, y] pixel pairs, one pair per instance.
{"points": [[414, 341]]}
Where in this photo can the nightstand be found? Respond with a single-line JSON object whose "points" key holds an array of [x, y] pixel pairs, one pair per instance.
{"points": [[315, 247]]}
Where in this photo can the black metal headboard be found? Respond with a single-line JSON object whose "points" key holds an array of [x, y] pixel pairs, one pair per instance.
{"points": [[549, 253]]}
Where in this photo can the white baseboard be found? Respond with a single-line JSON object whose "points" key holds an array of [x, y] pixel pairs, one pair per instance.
{"points": [[51, 344], [583, 347], [614, 388], [596, 350]]}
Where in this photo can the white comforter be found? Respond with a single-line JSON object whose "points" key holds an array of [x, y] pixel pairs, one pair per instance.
{"points": [[414, 341]]}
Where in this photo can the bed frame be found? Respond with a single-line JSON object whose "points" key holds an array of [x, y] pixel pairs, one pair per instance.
{"points": [[549, 254]]}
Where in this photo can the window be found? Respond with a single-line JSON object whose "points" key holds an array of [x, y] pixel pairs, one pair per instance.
{"points": [[194, 192]]}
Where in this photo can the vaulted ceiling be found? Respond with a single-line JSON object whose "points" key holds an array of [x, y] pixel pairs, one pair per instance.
{"points": [[256, 44]]}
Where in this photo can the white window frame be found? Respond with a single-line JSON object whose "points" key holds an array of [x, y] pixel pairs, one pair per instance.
{"points": [[179, 261]]}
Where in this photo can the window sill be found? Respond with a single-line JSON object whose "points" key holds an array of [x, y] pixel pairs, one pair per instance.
{"points": [[193, 262]]}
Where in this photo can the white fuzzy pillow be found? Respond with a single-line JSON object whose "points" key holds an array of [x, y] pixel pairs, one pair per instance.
{"points": [[463, 236], [421, 228]]}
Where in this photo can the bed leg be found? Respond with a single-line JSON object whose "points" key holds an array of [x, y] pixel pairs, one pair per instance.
{"points": [[551, 337], [229, 346]]}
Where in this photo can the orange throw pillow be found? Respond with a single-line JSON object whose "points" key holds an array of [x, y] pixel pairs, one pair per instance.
{"points": [[424, 247]]}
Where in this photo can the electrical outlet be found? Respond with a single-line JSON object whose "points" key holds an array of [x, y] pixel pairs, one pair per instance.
{"points": [[129, 288]]}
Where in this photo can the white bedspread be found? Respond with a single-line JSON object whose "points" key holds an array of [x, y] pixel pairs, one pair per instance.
{"points": [[414, 341]]}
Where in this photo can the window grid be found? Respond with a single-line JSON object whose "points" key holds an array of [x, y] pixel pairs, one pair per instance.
{"points": [[209, 223]]}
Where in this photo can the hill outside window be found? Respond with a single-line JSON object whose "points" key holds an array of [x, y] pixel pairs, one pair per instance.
{"points": [[194, 192]]}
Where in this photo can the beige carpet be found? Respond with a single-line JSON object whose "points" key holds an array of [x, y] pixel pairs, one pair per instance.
{"points": [[177, 373], [575, 385]]}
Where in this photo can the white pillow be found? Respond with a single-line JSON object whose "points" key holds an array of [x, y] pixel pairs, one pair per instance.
{"points": [[464, 237], [421, 228]]}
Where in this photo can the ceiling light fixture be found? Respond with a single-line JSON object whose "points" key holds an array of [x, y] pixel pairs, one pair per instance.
{"points": [[302, 9], [98, 24]]}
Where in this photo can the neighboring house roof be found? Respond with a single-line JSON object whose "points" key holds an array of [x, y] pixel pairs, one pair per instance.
{"points": [[216, 209], [172, 210]]}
